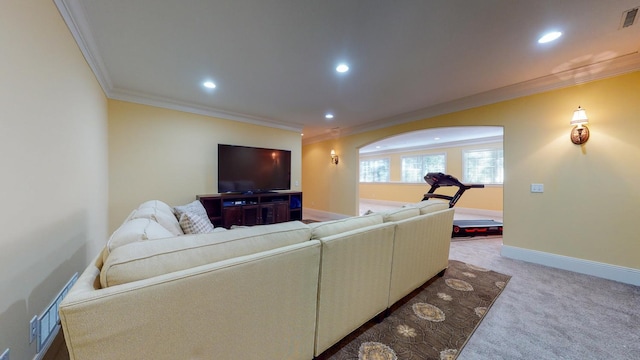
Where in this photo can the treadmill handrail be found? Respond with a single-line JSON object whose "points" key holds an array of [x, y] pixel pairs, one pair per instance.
{"points": [[439, 179]]}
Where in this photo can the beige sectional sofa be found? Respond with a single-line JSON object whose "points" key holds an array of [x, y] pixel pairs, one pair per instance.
{"points": [[281, 291]]}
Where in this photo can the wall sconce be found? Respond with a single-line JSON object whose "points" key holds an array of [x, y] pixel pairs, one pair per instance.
{"points": [[334, 157], [580, 132]]}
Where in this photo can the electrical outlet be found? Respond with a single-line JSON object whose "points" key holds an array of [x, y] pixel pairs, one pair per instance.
{"points": [[537, 188], [33, 329], [5, 355]]}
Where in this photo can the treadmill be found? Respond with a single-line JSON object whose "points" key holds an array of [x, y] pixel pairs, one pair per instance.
{"points": [[460, 227]]}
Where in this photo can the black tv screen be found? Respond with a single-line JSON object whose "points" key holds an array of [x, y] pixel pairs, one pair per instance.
{"points": [[250, 169]]}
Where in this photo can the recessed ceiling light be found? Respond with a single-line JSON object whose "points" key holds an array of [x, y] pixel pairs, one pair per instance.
{"points": [[436, 138], [342, 68], [209, 84], [329, 116], [548, 37]]}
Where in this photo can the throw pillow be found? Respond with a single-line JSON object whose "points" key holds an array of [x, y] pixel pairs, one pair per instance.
{"points": [[194, 207], [193, 223]]}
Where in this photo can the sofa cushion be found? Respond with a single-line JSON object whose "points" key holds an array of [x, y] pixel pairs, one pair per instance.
{"points": [[142, 260], [327, 228], [135, 230], [156, 204], [429, 206], [400, 214], [192, 223], [167, 220]]}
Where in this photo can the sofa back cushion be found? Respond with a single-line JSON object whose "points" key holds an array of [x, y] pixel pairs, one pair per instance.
{"points": [[135, 230], [327, 228], [162, 206], [429, 206], [162, 217], [400, 214], [143, 260]]}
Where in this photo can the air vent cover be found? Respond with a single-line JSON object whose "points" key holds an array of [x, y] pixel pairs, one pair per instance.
{"points": [[629, 17]]}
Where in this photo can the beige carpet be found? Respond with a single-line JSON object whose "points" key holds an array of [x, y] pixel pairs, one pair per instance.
{"points": [[434, 322]]}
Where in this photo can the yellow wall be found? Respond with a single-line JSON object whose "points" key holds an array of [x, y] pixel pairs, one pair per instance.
{"points": [[588, 209], [155, 153], [489, 198], [53, 146]]}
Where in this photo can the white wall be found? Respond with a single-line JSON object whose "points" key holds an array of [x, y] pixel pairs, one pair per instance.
{"points": [[53, 151]]}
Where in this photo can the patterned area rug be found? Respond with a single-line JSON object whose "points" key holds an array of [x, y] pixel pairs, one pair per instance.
{"points": [[433, 322]]}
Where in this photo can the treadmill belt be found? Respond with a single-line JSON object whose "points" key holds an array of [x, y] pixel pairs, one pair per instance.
{"points": [[476, 228]]}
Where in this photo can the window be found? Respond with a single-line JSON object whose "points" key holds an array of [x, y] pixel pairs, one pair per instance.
{"points": [[414, 168], [483, 166], [376, 170]]}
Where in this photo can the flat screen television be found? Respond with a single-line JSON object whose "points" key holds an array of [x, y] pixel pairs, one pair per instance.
{"points": [[244, 169]]}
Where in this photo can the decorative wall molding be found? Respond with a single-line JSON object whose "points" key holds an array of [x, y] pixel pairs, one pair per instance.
{"points": [[602, 270], [170, 104]]}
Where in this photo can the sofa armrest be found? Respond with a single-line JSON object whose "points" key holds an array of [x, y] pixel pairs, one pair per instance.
{"points": [[258, 306], [420, 251], [354, 281]]}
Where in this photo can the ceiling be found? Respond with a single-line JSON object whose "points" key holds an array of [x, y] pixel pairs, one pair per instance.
{"points": [[274, 61]]}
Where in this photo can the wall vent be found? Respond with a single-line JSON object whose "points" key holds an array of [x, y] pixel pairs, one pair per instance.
{"points": [[629, 18], [48, 323]]}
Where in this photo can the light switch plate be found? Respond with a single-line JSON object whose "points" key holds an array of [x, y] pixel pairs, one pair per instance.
{"points": [[537, 188]]}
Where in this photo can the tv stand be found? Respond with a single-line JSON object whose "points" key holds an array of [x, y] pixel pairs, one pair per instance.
{"points": [[256, 208]]}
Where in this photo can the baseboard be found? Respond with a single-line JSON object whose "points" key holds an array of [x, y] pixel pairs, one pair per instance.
{"points": [[321, 215], [606, 271]]}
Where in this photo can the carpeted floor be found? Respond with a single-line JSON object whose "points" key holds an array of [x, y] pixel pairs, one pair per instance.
{"points": [[434, 322]]}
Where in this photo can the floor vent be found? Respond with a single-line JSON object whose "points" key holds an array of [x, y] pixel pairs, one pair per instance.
{"points": [[629, 17]]}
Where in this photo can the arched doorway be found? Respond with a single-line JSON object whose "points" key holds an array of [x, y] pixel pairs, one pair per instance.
{"points": [[392, 169]]}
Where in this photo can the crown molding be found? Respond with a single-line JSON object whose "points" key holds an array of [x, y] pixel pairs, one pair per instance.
{"points": [[75, 17], [560, 79], [157, 101]]}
